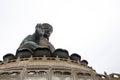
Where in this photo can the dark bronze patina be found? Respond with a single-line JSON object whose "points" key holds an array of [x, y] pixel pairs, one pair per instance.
{"points": [[40, 38]]}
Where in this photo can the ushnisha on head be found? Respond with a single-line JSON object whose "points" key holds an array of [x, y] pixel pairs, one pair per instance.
{"points": [[44, 29]]}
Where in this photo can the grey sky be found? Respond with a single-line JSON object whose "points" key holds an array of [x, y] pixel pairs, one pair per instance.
{"points": [[90, 28]]}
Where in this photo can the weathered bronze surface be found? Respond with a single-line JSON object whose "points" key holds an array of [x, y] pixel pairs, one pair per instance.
{"points": [[40, 38]]}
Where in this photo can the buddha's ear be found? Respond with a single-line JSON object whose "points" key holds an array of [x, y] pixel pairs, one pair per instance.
{"points": [[38, 29]]}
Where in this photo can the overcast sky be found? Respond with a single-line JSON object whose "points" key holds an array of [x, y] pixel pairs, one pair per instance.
{"points": [[90, 28]]}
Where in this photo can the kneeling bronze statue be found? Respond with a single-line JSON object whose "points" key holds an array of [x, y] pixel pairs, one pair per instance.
{"points": [[39, 39]]}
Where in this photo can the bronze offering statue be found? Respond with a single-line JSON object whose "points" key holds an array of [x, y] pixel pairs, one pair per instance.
{"points": [[39, 39]]}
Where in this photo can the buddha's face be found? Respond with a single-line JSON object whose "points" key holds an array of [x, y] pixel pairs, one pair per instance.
{"points": [[47, 29], [44, 29]]}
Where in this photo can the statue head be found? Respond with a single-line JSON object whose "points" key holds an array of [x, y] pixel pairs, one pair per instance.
{"points": [[44, 29], [47, 28]]}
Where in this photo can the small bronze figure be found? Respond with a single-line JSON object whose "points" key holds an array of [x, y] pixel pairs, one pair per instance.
{"points": [[40, 38]]}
